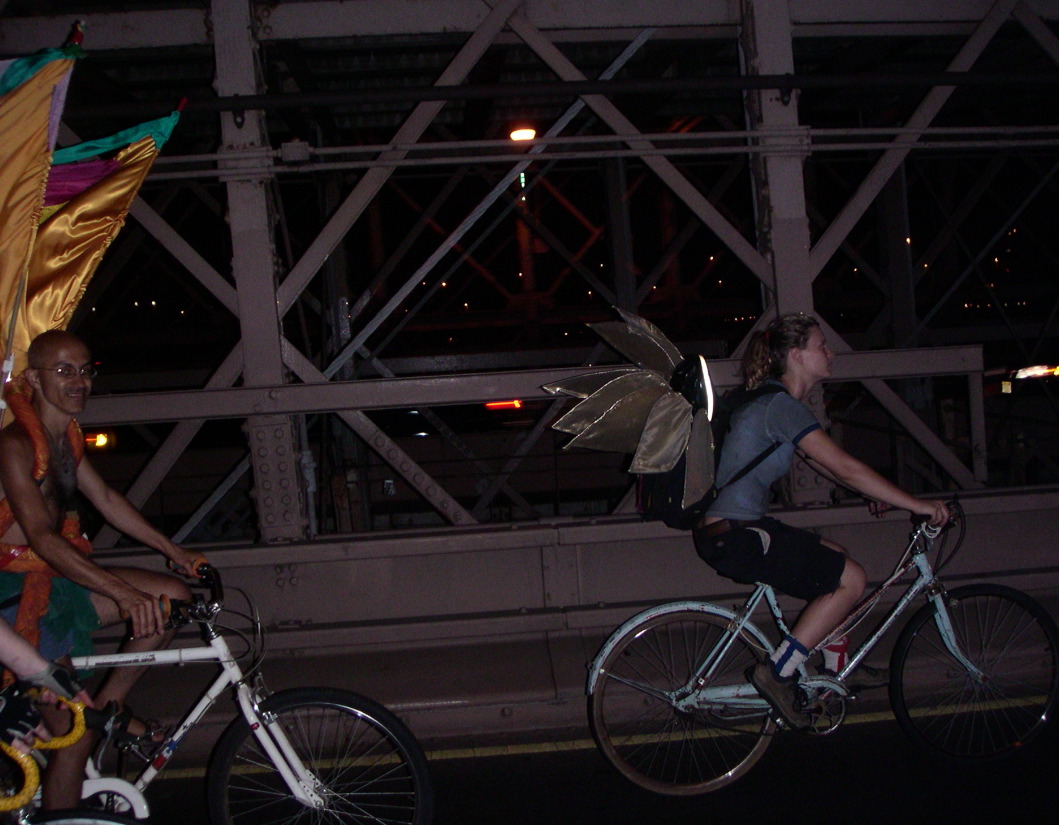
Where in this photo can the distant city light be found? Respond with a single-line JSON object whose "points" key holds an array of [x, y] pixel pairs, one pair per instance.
{"points": [[1037, 372], [523, 133]]}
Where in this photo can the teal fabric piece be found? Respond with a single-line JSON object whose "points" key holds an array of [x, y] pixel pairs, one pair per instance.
{"points": [[160, 130], [25, 67], [70, 615]]}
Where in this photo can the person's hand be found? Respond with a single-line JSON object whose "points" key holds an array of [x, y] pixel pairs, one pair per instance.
{"points": [[55, 681], [186, 563], [937, 512], [142, 610]]}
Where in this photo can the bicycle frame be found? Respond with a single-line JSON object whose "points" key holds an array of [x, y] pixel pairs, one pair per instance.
{"points": [[915, 555], [301, 782], [744, 695]]}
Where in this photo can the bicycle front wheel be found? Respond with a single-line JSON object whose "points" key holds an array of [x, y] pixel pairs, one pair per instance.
{"points": [[644, 729], [80, 818], [367, 766], [947, 709]]}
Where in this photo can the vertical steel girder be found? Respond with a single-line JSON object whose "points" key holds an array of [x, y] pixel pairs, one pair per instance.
{"points": [[779, 190], [868, 191], [296, 281], [767, 48], [274, 453]]}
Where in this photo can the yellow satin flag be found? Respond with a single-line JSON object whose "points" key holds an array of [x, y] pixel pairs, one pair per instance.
{"points": [[31, 89], [59, 209], [71, 242]]}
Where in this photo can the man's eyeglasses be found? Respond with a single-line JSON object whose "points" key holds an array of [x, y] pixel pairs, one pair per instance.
{"points": [[69, 370]]}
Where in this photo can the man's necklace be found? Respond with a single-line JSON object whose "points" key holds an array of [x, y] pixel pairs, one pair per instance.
{"points": [[63, 470]]}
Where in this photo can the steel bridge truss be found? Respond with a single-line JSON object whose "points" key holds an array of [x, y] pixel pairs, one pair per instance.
{"points": [[273, 383]]}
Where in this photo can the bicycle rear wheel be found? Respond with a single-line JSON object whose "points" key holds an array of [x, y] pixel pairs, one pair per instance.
{"points": [[369, 766], [1011, 639], [659, 746]]}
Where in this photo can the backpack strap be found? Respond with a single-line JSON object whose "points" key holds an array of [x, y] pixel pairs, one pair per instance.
{"points": [[753, 395], [769, 450]]}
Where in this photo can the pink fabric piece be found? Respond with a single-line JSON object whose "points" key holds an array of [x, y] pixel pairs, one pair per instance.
{"points": [[71, 179]]}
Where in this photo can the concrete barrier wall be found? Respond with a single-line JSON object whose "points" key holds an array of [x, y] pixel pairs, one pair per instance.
{"points": [[487, 632]]}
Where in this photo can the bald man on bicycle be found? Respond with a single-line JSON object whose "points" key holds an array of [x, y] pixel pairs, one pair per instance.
{"points": [[51, 590]]}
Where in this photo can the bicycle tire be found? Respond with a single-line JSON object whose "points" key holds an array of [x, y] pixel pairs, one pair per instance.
{"points": [[656, 745], [943, 708], [80, 818], [370, 765]]}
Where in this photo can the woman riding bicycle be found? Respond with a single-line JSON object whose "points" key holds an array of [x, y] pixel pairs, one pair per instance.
{"points": [[742, 543]]}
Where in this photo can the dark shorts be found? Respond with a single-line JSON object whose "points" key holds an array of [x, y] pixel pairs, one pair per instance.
{"points": [[791, 560]]}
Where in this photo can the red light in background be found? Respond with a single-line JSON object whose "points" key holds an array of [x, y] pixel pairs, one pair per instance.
{"points": [[504, 405], [100, 440]]}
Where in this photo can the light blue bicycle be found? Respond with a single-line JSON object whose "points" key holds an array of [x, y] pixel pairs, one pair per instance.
{"points": [[974, 675]]}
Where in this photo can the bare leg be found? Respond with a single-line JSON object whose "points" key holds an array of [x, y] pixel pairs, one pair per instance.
{"points": [[824, 613], [61, 788]]}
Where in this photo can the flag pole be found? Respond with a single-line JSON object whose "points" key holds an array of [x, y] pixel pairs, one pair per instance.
{"points": [[9, 347]]}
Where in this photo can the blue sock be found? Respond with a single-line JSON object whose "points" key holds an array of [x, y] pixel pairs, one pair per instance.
{"points": [[787, 657]]}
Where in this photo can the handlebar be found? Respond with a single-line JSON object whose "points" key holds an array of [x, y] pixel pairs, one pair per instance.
{"points": [[929, 533], [179, 612], [30, 769]]}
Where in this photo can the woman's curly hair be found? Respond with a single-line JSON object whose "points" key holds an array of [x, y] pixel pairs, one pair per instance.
{"points": [[766, 354]]}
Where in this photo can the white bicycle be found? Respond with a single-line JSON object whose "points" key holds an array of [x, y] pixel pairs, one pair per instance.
{"points": [[309, 754]]}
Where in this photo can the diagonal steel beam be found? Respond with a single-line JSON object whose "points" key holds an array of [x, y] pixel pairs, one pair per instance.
{"points": [[899, 409], [374, 178], [180, 249], [456, 441], [1005, 227], [662, 166], [173, 447], [476, 214], [893, 157], [402, 463], [1038, 30]]}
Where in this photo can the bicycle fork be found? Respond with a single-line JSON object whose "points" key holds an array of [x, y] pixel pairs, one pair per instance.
{"points": [[303, 784], [948, 634], [936, 595]]}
